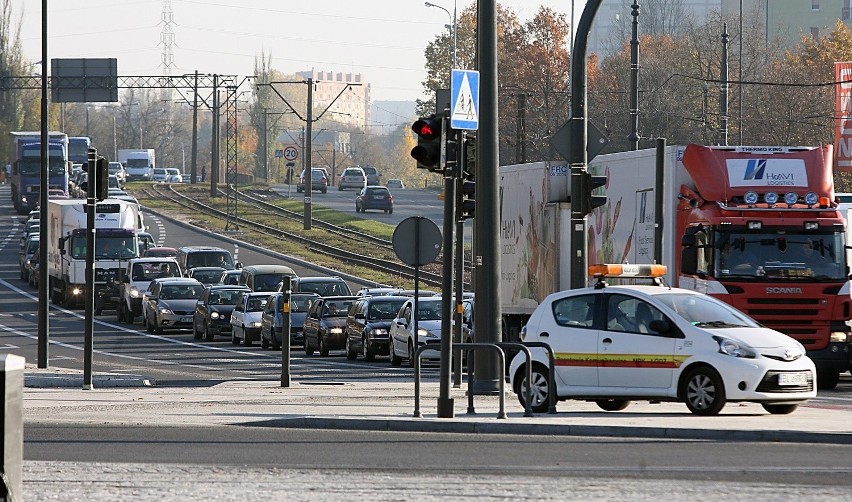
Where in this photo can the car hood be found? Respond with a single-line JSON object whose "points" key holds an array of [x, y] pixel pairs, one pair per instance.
{"points": [[765, 339], [178, 304], [297, 320], [253, 316], [432, 326], [334, 322], [383, 324]]}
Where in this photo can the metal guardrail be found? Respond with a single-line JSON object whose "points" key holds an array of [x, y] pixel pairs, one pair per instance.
{"points": [[501, 361]]}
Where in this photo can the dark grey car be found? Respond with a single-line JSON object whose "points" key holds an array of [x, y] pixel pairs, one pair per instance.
{"points": [[368, 325], [272, 321]]}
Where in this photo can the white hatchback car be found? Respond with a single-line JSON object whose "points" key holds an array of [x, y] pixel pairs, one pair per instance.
{"points": [[616, 343], [403, 342]]}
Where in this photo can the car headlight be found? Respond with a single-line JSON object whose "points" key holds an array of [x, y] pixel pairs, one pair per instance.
{"points": [[134, 293], [425, 333], [214, 315], [335, 331], [379, 331], [255, 324], [734, 348], [164, 310], [839, 336]]}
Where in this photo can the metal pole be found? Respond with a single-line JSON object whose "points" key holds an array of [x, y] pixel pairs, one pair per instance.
{"points": [[307, 151], [265, 148], [459, 261], [633, 139], [114, 137], [487, 222], [89, 322], [723, 88], [445, 402], [579, 142], [658, 200], [740, 86], [214, 141], [285, 332], [194, 153], [43, 280]]}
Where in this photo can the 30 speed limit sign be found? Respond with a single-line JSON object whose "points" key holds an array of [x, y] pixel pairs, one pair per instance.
{"points": [[291, 153]]}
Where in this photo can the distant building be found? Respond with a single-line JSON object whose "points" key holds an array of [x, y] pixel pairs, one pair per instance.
{"points": [[792, 19], [352, 107]]}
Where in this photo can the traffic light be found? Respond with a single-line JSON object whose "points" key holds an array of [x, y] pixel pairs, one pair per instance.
{"points": [[101, 178], [467, 184], [590, 201], [430, 143]]}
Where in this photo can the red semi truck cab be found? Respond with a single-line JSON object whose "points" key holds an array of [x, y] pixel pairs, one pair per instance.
{"points": [[762, 232]]}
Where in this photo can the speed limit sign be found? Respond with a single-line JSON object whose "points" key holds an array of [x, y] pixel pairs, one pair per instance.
{"points": [[291, 153]]}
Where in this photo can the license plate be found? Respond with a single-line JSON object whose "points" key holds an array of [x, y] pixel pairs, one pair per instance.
{"points": [[800, 378], [378, 197], [186, 319]]}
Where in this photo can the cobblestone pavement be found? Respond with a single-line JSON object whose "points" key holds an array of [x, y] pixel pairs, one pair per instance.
{"points": [[101, 482]]}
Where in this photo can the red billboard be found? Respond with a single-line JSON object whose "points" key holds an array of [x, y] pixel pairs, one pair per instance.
{"points": [[843, 114]]}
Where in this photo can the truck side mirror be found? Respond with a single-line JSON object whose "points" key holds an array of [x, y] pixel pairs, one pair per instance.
{"points": [[62, 251], [689, 260]]}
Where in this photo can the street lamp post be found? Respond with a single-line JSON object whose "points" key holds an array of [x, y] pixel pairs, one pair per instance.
{"points": [[453, 27]]}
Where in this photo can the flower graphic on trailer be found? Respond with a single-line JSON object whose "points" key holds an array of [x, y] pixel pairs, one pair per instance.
{"points": [[602, 245]]}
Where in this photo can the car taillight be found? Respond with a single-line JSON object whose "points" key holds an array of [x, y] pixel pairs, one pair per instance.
{"points": [[390, 198]]}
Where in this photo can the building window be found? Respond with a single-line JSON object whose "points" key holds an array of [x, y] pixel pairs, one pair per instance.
{"points": [[814, 4], [815, 33]]}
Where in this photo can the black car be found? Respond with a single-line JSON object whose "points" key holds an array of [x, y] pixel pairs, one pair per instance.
{"points": [[213, 311], [374, 197], [325, 323], [368, 325], [272, 321]]}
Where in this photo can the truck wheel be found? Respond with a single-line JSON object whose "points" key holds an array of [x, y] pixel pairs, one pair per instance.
{"points": [[827, 379]]}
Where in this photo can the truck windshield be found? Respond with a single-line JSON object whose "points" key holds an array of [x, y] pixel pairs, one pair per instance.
{"points": [[778, 255], [31, 166], [107, 247], [137, 163]]}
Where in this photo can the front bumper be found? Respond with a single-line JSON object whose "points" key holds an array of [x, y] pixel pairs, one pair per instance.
{"points": [[174, 321]]}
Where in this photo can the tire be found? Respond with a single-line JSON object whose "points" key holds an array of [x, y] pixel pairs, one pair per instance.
{"points": [[369, 355], [148, 326], [158, 330], [704, 391], [390, 211], [264, 343], [386, 211], [827, 379], [350, 354], [119, 312], [309, 349], [395, 360], [339, 188], [411, 354], [612, 404], [98, 311], [323, 350], [196, 335], [234, 339], [23, 277], [779, 409], [246, 339], [128, 315], [540, 388], [325, 190], [55, 298], [208, 336]]}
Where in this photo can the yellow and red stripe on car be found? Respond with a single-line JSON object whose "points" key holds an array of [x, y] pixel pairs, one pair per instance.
{"points": [[619, 360]]}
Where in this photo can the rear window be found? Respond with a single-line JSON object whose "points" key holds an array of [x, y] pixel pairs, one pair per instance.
{"points": [[209, 259], [377, 191], [370, 170], [267, 282], [336, 288]]}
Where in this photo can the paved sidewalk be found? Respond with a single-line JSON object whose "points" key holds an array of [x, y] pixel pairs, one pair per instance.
{"points": [[56, 396]]}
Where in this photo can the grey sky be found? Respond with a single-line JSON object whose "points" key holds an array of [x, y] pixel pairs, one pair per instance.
{"points": [[381, 39]]}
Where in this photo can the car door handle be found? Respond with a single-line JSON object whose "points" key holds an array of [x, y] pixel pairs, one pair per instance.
{"points": [[607, 340], [544, 334]]}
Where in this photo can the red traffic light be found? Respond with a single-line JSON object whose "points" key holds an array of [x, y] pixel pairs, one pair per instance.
{"points": [[427, 128]]}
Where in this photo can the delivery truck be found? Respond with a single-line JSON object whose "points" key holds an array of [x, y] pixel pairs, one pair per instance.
{"points": [[139, 163], [25, 176], [116, 225], [720, 207]]}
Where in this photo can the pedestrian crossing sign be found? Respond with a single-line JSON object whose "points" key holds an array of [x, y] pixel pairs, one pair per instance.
{"points": [[464, 100]]}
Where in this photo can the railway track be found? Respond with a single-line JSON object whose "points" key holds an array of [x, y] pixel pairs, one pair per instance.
{"points": [[387, 266]]}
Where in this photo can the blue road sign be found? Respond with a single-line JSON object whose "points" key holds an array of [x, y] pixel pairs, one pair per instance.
{"points": [[464, 100]]}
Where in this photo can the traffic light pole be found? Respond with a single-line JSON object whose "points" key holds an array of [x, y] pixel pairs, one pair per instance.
{"points": [[451, 173], [461, 158], [579, 142]]}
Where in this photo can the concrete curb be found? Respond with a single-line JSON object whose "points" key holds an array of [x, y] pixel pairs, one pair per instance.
{"points": [[513, 427], [76, 381]]}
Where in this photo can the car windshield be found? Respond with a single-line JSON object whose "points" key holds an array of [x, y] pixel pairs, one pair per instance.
{"points": [[429, 311], [209, 259], [149, 271], [384, 309], [300, 304], [181, 292], [256, 304], [173, 171], [160, 171], [705, 312], [32, 246], [324, 288], [336, 308], [224, 297], [207, 276]]}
